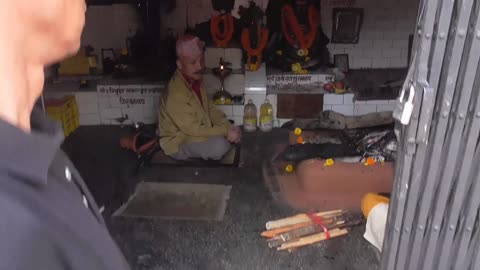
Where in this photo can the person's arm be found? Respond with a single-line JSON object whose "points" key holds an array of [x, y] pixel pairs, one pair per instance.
{"points": [[184, 117], [217, 116]]}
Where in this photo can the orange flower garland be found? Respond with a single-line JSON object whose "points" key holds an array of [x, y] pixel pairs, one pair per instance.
{"points": [[257, 52], [222, 38], [290, 22]]}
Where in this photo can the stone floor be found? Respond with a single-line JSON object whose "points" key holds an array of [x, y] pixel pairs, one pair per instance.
{"points": [[233, 243]]}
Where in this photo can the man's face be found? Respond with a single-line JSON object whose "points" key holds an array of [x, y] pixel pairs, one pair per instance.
{"points": [[53, 27], [192, 65]]}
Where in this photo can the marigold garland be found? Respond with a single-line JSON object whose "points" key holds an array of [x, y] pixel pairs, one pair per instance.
{"points": [[222, 38], [254, 52], [290, 22]]}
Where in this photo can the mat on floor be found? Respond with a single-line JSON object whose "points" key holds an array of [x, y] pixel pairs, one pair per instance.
{"points": [[177, 201], [232, 158]]}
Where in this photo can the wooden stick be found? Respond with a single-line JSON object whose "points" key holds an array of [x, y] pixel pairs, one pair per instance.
{"points": [[300, 218], [277, 231], [293, 235], [312, 239]]}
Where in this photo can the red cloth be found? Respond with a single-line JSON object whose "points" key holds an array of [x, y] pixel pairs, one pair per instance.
{"points": [[195, 86]]}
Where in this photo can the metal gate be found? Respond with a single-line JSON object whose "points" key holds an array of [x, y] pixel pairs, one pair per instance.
{"points": [[433, 218]]}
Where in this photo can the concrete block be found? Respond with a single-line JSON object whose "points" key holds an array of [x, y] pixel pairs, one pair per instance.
{"points": [[343, 109], [385, 108], [364, 109], [89, 119], [110, 113], [377, 102], [389, 53], [212, 56], [235, 84], [238, 110], [226, 109], [348, 99], [332, 99], [234, 56]]}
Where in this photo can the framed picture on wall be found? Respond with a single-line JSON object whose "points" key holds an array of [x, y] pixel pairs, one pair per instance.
{"points": [[341, 62], [346, 25]]}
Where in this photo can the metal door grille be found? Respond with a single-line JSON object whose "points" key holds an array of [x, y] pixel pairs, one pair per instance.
{"points": [[433, 218]]}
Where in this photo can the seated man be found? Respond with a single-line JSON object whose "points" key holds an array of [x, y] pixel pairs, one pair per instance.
{"points": [[190, 125]]}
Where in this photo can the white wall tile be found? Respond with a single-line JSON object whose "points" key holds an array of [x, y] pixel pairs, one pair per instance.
{"points": [[86, 97], [235, 84], [385, 108], [348, 99], [88, 108], [380, 63], [211, 84], [115, 102], [392, 52], [327, 107], [282, 121], [360, 102], [89, 119], [238, 110], [332, 99], [135, 113], [377, 102], [106, 122], [256, 81], [273, 99], [234, 56], [103, 103], [226, 109], [364, 109], [392, 101], [238, 120], [212, 56], [110, 113], [343, 109]]}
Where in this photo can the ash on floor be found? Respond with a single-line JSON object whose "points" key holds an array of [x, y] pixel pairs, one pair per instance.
{"points": [[233, 243]]}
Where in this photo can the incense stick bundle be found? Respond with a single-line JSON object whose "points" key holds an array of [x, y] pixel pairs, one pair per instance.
{"points": [[312, 239], [278, 231], [300, 218], [301, 232]]}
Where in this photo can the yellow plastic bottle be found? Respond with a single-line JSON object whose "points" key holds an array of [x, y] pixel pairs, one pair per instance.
{"points": [[266, 116], [250, 117]]}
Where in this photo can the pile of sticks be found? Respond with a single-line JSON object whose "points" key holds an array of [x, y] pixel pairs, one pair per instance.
{"points": [[302, 230]]}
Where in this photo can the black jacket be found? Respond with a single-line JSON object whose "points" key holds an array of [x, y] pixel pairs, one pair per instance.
{"points": [[48, 218]]}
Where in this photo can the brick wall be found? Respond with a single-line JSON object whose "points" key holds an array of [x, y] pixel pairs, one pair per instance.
{"points": [[384, 34]]}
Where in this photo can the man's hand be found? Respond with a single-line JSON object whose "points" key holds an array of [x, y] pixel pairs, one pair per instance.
{"points": [[234, 134]]}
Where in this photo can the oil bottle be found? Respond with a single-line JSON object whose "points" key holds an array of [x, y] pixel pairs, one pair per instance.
{"points": [[266, 116], [250, 117]]}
